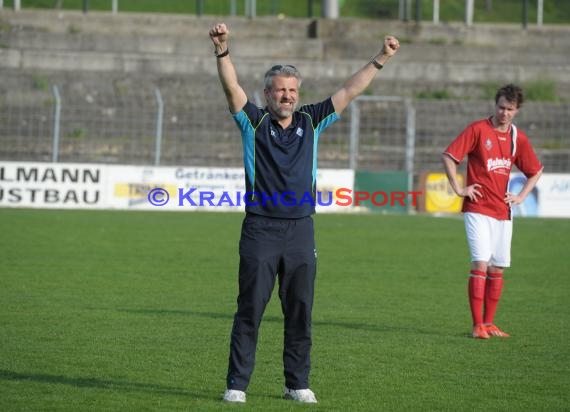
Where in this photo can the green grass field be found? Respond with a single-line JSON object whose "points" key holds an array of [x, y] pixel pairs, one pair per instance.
{"points": [[131, 311]]}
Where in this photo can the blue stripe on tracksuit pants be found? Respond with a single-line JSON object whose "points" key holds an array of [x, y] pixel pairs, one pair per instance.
{"points": [[273, 248]]}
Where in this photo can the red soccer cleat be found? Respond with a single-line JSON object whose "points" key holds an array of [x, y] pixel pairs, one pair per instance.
{"points": [[480, 332], [493, 330]]}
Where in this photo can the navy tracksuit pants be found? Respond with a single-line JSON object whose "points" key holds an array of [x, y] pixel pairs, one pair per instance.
{"points": [[273, 248]]}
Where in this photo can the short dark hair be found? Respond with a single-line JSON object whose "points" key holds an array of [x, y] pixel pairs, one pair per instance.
{"points": [[512, 93]]}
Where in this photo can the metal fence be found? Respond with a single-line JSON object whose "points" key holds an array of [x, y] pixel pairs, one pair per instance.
{"points": [[145, 125]]}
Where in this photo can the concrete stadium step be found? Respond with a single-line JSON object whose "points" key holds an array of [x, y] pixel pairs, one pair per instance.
{"points": [[152, 24], [270, 27], [405, 76], [35, 35], [150, 44], [173, 44]]}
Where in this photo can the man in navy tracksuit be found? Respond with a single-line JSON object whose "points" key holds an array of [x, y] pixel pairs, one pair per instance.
{"points": [[277, 237]]}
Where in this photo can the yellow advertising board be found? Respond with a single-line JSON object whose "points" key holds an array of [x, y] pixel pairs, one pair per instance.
{"points": [[439, 196]]}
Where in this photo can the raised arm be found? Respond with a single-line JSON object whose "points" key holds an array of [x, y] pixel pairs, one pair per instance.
{"points": [[360, 80], [226, 71]]}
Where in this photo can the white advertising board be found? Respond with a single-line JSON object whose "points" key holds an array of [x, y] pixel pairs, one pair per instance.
{"points": [[52, 185], [551, 197], [88, 186], [176, 188]]}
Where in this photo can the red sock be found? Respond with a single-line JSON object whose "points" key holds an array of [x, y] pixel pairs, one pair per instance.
{"points": [[493, 291], [476, 290]]}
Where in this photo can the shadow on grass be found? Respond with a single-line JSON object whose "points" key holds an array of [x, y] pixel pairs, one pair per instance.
{"points": [[101, 384], [277, 319]]}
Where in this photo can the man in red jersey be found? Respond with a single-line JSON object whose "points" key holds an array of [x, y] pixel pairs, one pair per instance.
{"points": [[492, 146]]}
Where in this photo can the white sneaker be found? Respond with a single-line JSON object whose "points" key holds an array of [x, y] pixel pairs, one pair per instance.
{"points": [[300, 395], [232, 395]]}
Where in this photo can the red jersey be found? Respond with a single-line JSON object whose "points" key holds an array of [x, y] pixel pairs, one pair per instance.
{"points": [[490, 158]]}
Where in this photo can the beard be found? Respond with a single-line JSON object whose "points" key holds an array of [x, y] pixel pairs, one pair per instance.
{"points": [[280, 112]]}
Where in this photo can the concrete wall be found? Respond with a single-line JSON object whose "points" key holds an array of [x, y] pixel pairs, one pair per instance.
{"points": [[446, 55]]}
